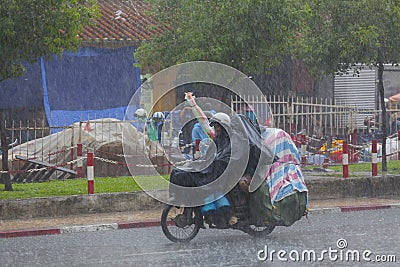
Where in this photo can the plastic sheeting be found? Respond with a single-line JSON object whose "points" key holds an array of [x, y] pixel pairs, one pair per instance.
{"points": [[104, 137], [24, 91], [228, 159], [92, 83], [89, 84]]}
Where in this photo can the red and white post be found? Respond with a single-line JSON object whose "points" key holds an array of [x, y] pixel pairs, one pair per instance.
{"points": [[345, 159], [374, 158], [90, 172], [326, 162], [79, 169], [303, 153]]}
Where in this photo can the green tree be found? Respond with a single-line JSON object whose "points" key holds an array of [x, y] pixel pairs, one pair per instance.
{"points": [[37, 28], [250, 35], [40, 28], [339, 35]]}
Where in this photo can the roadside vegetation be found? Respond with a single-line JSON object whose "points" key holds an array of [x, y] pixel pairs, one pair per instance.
{"points": [[128, 184], [393, 167], [70, 187]]}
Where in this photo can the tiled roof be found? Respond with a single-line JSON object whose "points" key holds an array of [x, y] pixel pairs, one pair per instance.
{"points": [[122, 23]]}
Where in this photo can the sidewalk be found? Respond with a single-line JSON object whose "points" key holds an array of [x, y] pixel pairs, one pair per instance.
{"points": [[147, 218]]}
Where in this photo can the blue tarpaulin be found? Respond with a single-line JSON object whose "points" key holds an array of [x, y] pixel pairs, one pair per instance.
{"points": [[91, 83], [23, 92]]}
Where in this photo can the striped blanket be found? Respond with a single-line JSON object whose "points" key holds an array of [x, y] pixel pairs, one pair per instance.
{"points": [[284, 176]]}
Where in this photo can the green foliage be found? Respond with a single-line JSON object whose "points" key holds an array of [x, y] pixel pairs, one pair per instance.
{"points": [[31, 29], [70, 187], [250, 35], [254, 35], [341, 34]]}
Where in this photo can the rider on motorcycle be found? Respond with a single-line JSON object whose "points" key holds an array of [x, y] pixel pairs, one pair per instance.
{"points": [[222, 151], [218, 159], [239, 151]]}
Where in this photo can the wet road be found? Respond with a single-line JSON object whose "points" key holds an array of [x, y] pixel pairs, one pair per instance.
{"points": [[333, 239]]}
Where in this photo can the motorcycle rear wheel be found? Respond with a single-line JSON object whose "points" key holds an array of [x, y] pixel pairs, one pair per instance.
{"points": [[260, 231], [176, 230]]}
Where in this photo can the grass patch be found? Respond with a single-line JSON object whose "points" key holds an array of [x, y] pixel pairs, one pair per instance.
{"points": [[128, 184], [70, 187], [393, 167]]}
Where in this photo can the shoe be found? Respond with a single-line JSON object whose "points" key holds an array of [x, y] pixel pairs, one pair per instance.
{"points": [[233, 220]]}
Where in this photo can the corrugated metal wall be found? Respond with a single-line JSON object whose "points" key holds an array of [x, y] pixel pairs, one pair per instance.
{"points": [[358, 91]]}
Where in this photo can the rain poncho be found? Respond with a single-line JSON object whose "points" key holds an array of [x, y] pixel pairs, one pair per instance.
{"points": [[236, 151], [284, 177], [281, 198], [198, 174], [154, 130]]}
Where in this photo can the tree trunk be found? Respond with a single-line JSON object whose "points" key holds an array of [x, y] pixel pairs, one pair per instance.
{"points": [[5, 177], [383, 106]]}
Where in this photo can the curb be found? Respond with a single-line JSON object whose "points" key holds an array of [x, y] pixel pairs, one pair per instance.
{"points": [[360, 208], [154, 223], [354, 208], [78, 204], [319, 188], [78, 229]]}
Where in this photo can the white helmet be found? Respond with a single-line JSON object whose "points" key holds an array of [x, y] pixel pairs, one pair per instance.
{"points": [[158, 115], [221, 118], [140, 113]]}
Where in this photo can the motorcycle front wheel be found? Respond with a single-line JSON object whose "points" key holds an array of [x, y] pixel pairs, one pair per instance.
{"points": [[179, 225]]}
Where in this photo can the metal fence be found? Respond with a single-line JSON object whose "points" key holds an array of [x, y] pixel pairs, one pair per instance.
{"points": [[318, 120], [322, 121], [59, 150], [315, 117]]}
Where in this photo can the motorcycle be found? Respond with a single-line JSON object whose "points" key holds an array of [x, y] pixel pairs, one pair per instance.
{"points": [[256, 211], [182, 224]]}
